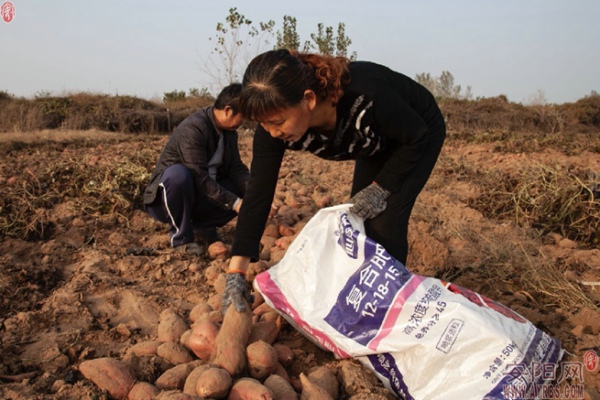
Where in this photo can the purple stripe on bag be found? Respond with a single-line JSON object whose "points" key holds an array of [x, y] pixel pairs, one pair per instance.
{"points": [[271, 291], [363, 303], [386, 366]]}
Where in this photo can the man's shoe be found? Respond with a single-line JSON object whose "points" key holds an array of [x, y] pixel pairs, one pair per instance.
{"points": [[208, 235], [192, 248]]}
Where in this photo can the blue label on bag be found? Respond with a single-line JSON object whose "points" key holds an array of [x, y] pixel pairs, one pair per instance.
{"points": [[365, 299], [348, 237]]}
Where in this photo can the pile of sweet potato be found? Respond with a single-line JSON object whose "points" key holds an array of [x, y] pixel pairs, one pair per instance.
{"points": [[235, 356], [214, 357]]}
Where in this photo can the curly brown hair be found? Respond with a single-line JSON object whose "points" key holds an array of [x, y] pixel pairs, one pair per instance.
{"points": [[277, 79]]}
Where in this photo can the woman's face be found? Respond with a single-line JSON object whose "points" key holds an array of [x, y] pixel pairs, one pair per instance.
{"points": [[291, 123]]}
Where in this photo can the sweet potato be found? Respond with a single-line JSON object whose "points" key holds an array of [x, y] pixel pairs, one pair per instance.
{"points": [[325, 378], [369, 396], [323, 201], [170, 326], [176, 395], [219, 284], [185, 336], [285, 355], [211, 272], [262, 360], [299, 226], [258, 297], [214, 383], [174, 378], [144, 348], [198, 310], [203, 338], [214, 301], [231, 342], [313, 391], [287, 215], [281, 371], [296, 384], [264, 330], [192, 379], [284, 242], [256, 268], [271, 230], [276, 255], [292, 200], [109, 374], [219, 250], [261, 309], [216, 316], [268, 241], [271, 316], [174, 353], [143, 391], [286, 230], [250, 389], [281, 388]]}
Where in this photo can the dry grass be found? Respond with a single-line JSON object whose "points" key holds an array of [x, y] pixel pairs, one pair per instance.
{"points": [[58, 135], [503, 251], [93, 185], [519, 262], [544, 197]]}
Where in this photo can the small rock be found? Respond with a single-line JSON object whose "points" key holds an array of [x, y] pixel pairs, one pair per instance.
{"points": [[123, 330], [57, 385], [567, 244], [578, 330], [553, 238], [194, 267], [571, 276], [78, 223]]}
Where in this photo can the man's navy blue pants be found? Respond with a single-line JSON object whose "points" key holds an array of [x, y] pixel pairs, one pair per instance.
{"points": [[178, 204]]}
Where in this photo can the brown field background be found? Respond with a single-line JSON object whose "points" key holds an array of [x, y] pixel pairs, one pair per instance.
{"points": [[512, 211]]}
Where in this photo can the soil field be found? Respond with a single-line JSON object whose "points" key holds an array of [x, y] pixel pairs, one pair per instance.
{"points": [[86, 274]]}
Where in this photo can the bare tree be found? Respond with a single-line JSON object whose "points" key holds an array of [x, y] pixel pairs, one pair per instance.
{"points": [[236, 42], [324, 41], [427, 80], [443, 86]]}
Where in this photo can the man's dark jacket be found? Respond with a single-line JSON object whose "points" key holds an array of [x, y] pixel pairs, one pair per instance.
{"points": [[193, 144]]}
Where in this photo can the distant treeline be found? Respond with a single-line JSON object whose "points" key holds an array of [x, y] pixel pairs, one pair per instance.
{"points": [[128, 114]]}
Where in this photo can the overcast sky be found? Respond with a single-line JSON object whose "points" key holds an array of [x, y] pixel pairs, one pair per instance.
{"points": [[146, 48]]}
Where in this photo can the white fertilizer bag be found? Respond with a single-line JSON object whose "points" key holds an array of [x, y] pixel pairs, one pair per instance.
{"points": [[422, 337]]}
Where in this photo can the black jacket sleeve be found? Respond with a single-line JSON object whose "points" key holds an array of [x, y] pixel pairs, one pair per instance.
{"points": [[237, 171], [266, 161]]}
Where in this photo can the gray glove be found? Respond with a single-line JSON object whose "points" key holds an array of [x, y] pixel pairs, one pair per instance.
{"points": [[369, 202], [235, 293]]}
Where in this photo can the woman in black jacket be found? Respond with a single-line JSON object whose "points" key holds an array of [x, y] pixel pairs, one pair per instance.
{"points": [[336, 109]]}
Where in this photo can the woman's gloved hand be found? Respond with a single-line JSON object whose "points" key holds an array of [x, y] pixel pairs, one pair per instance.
{"points": [[369, 202], [236, 291]]}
